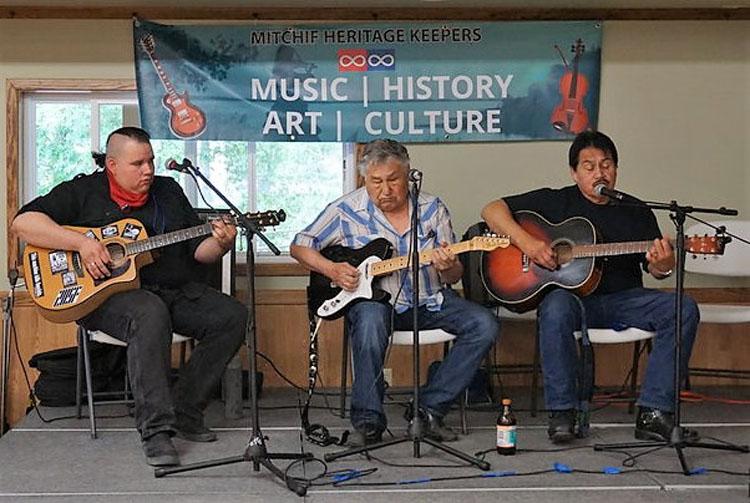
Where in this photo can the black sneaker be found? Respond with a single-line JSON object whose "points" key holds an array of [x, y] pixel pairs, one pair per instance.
{"points": [[160, 451], [655, 424], [433, 426], [561, 425], [367, 435]]}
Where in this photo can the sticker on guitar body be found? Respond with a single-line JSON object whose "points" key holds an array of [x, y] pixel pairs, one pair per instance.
{"points": [[67, 296]]}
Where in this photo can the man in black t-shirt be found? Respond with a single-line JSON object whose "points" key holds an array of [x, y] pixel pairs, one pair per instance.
{"points": [[171, 297], [619, 301]]}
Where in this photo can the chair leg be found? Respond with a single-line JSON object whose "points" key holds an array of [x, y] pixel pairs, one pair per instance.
{"points": [[89, 385], [535, 376], [79, 371], [462, 411], [634, 376], [344, 371]]}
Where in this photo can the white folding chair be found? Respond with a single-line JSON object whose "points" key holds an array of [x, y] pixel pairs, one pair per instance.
{"points": [[734, 262], [612, 336], [83, 371]]}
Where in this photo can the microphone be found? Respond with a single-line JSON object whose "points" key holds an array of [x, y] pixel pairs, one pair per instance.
{"points": [[415, 175], [602, 190], [182, 167]]}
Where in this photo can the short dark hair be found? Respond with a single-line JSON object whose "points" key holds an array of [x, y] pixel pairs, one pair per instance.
{"points": [[135, 133], [379, 151], [587, 139]]}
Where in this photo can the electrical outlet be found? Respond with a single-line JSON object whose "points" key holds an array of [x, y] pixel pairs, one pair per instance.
{"points": [[388, 375]]}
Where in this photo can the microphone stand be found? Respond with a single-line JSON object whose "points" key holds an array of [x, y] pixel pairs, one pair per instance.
{"points": [[255, 452], [678, 439], [416, 434]]}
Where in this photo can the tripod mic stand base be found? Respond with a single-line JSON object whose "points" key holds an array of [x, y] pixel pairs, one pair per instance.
{"points": [[257, 455], [678, 441], [481, 464]]}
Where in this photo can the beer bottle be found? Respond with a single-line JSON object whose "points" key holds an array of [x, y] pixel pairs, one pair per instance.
{"points": [[506, 430]]}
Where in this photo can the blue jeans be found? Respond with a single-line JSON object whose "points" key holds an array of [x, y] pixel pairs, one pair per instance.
{"points": [[559, 315], [369, 324]]}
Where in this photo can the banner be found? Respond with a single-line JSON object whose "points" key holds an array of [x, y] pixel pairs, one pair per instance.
{"points": [[414, 82]]}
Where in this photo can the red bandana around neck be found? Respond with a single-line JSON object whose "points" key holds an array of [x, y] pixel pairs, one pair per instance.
{"points": [[124, 198]]}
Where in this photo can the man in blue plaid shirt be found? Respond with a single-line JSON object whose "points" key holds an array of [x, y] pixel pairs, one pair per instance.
{"points": [[381, 209]]}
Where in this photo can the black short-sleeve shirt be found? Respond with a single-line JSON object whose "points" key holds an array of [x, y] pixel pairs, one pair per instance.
{"points": [[85, 202], [614, 222]]}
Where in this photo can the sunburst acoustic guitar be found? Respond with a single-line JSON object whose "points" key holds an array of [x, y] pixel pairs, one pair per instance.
{"points": [[519, 284], [63, 289]]}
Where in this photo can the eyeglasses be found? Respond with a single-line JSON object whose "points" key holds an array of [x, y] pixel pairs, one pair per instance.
{"points": [[605, 164]]}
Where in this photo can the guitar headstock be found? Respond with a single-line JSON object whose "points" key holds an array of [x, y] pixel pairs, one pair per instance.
{"points": [[706, 245], [578, 47], [270, 218], [148, 44], [489, 242]]}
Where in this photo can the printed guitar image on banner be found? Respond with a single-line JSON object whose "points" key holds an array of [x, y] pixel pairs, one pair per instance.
{"points": [[570, 115], [185, 119]]}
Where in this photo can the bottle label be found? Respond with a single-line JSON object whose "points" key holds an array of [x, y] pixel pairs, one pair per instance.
{"points": [[506, 436]]}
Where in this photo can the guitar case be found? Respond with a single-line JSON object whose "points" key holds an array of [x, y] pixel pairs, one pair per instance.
{"points": [[474, 289]]}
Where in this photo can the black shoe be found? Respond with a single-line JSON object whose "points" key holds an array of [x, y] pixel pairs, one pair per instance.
{"points": [[561, 425], [655, 424], [193, 431], [365, 436], [160, 451], [433, 426]]}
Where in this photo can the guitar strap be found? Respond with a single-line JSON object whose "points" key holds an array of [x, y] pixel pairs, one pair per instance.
{"points": [[585, 377], [316, 433]]}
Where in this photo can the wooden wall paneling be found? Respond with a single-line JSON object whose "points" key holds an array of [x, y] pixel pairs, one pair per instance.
{"points": [[334, 14], [34, 335]]}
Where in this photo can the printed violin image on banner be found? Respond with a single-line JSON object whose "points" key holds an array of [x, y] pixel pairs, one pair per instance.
{"points": [[185, 119], [570, 115]]}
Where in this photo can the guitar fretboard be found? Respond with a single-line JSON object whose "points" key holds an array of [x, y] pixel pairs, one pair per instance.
{"points": [[167, 239], [394, 264], [606, 249]]}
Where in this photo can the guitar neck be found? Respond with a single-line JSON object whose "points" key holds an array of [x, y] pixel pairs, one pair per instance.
{"points": [[162, 75], [402, 262], [608, 249], [167, 239]]}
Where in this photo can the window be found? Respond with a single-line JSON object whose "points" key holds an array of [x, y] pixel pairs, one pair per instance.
{"points": [[60, 129]]}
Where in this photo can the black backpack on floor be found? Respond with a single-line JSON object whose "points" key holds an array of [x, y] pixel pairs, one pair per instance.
{"points": [[56, 385]]}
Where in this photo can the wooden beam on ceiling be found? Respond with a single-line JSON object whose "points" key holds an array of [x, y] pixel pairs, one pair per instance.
{"points": [[367, 14]]}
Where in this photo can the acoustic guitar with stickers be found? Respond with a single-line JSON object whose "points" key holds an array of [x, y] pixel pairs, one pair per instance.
{"points": [[63, 289]]}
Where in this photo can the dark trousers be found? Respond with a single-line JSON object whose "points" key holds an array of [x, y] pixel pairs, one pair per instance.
{"points": [[145, 319]]}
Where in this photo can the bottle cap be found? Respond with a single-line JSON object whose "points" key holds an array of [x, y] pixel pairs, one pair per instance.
{"points": [[506, 401]]}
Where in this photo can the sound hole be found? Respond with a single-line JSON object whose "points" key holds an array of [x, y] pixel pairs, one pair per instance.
{"points": [[564, 252], [116, 251]]}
